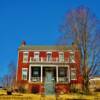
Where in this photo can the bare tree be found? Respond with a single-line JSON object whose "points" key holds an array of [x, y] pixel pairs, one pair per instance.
{"points": [[9, 80], [83, 28], [12, 74]]}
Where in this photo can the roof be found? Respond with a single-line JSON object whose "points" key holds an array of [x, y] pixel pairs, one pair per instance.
{"points": [[31, 47]]}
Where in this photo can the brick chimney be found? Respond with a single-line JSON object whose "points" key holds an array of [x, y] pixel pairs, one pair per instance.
{"points": [[23, 43]]}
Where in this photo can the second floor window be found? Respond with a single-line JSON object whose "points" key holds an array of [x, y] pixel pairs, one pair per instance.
{"points": [[49, 56], [72, 57], [61, 56], [25, 57], [36, 56]]}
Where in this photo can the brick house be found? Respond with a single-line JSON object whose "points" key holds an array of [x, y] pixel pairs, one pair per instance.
{"points": [[48, 69]]}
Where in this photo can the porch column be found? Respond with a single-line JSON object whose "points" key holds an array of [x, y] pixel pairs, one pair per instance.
{"points": [[57, 74], [29, 73], [41, 73], [68, 74]]}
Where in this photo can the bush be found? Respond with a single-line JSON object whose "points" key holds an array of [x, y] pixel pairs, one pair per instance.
{"points": [[15, 90], [74, 89], [21, 89], [9, 92], [97, 90], [35, 89]]}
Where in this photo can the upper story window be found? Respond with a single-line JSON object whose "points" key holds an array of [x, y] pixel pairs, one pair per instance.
{"points": [[25, 57], [24, 73], [49, 56], [61, 56], [73, 73], [72, 57], [36, 56]]}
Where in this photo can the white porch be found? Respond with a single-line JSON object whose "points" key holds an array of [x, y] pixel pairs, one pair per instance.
{"points": [[60, 73]]}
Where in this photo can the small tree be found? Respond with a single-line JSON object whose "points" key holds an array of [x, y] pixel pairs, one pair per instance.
{"points": [[12, 74], [83, 28], [6, 81], [9, 80]]}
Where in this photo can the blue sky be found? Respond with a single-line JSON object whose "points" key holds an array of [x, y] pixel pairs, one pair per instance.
{"points": [[35, 21]]}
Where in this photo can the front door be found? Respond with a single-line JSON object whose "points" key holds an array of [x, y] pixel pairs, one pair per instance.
{"points": [[49, 83]]}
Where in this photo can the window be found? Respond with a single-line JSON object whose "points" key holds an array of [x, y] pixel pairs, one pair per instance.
{"points": [[25, 57], [73, 73], [24, 73], [49, 56], [61, 56], [36, 56], [35, 74], [72, 57], [62, 74], [36, 71]]}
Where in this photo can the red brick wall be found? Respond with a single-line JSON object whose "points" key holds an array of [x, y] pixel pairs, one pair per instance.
{"points": [[21, 65], [66, 55], [55, 54], [43, 54]]}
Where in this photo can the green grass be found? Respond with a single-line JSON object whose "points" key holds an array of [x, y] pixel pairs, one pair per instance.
{"points": [[19, 96]]}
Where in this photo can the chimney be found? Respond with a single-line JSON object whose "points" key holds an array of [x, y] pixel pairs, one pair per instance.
{"points": [[23, 43]]}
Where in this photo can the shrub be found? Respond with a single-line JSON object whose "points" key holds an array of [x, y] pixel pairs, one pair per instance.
{"points": [[9, 91], [74, 89], [35, 89], [97, 90], [21, 89]]}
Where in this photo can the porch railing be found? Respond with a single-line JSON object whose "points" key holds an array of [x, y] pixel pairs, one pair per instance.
{"points": [[60, 79], [56, 60], [35, 79]]}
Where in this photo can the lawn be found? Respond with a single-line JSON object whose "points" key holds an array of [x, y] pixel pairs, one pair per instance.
{"points": [[19, 96]]}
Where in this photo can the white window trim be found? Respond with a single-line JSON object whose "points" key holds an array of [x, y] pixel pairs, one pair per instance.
{"points": [[22, 73], [60, 60], [27, 57], [73, 69], [49, 52], [72, 52], [36, 57], [47, 57], [36, 52], [36, 65]]}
